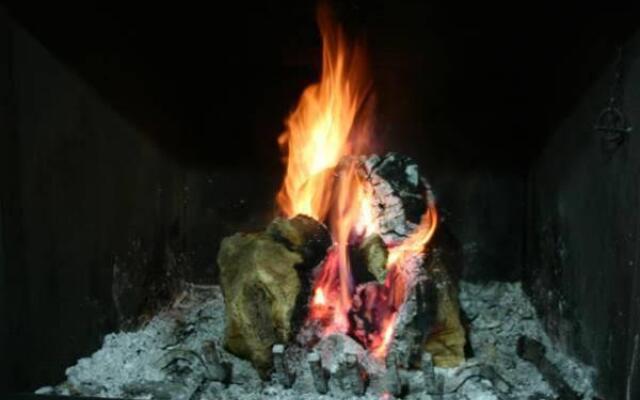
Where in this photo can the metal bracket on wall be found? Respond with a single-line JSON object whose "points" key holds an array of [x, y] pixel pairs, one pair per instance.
{"points": [[612, 124], [613, 128]]}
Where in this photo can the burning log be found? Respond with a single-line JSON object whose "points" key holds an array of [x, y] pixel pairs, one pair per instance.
{"points": [[429, 318], [399, 192], [302, 235], [398, 301], [415, 317], [260, 276]]}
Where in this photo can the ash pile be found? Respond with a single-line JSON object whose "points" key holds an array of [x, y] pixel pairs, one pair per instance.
{"points": [[264, 333], [170, 358]]}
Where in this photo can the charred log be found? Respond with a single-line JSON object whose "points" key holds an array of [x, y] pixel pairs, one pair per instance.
{"points": [[400, 194], [303, 235]]}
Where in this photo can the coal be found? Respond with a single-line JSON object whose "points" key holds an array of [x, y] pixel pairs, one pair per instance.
{"points": [[370, 307]]}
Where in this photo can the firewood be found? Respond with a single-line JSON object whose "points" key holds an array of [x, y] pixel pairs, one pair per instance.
{"points": [[303, 235], [400, 194], [372, 255], [260, 287], [447, 336]]}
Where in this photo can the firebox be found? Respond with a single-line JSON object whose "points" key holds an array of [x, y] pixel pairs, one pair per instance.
{"points": [[319, 200]]}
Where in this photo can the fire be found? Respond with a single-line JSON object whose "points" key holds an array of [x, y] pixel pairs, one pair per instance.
{"points": [[321, 130], [380, 348], [325, 133], [414, 244], [318, 297]]}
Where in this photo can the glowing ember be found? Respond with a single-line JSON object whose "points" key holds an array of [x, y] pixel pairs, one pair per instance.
{"points": [[379, 349], [318, 298], [325, 133]]}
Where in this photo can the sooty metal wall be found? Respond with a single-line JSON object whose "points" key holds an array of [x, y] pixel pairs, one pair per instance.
{"points": [[583, 245]]}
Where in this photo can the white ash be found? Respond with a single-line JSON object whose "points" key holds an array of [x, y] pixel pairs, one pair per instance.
{"points": [[130, 365]]}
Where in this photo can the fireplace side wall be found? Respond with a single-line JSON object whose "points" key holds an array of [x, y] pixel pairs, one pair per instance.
{"points": [[583, 236], [80, 190], [98, 223]]}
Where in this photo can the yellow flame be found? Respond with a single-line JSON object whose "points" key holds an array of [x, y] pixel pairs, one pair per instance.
{"points": [[319, 129]]}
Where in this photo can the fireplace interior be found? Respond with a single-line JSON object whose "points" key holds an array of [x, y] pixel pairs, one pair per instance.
{"points": [[316, 200]]}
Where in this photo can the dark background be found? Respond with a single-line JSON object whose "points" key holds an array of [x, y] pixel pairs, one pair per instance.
{"points": [[212, 84], [133, 138]]}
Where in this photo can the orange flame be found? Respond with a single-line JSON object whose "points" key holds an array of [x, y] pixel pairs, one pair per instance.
{"points": [[381, 345], [414, 244], [321, 130]]}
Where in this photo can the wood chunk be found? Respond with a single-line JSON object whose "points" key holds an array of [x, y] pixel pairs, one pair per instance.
{"points": [[303, 235], [374, 253], [261, 286], [311, 240], [447, 337]]}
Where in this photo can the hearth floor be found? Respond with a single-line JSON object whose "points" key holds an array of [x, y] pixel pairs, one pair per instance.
{"points": [[162, 359]]}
